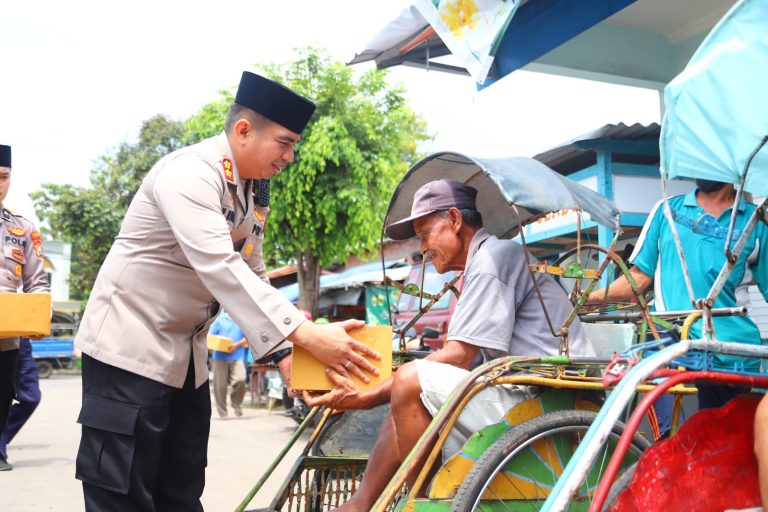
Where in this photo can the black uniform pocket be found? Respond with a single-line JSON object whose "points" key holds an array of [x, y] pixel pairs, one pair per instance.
{"points": [[105, 457]]}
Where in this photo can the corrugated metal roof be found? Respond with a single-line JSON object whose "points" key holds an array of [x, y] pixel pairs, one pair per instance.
{"points": [[568, 158]]}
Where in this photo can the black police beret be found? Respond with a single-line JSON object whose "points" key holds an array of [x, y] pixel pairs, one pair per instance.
{"points": [[274, 101], [5, 155]]}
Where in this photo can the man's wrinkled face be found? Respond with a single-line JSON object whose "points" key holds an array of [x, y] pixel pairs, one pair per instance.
{"points": [[439, 242], [266, 151], [5, 182]]}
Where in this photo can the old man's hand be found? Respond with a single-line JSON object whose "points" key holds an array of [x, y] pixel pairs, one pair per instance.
{"points": [[346, 395]]}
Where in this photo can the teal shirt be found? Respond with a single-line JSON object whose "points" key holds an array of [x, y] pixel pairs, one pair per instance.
{"points": [[656, 256]]}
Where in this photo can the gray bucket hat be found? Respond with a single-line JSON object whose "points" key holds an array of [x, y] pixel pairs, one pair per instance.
{"points": [[433, 197]]}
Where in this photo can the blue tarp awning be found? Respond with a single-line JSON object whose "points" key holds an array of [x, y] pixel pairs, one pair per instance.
{"points": [[643, 43], [355, 276]]}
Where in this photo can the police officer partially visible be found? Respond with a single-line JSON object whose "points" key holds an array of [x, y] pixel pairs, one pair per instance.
{"points": [[190, 240], [21, 269]]}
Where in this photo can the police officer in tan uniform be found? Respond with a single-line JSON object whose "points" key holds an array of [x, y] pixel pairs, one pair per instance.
{"points": [[191, 241], [21, 268]]}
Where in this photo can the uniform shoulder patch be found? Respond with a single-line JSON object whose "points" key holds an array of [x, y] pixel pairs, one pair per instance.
{"points": [[229, 173], [37, 243], [17, 231]]}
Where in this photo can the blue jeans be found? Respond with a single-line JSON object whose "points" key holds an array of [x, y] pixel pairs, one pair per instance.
{"points": [[27, 395]]}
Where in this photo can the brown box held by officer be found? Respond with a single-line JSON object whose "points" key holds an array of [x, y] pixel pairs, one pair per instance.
{"points": [[25, 314]]}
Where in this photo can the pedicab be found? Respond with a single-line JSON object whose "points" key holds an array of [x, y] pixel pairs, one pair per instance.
{"points": [[543, 432], [715, 128]]}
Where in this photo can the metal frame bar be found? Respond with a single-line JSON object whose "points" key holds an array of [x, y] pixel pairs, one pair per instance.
{"points": [[596, 436], [634, 421]]}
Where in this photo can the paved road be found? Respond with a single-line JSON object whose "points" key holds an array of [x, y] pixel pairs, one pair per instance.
{"points": [[43, 455]]}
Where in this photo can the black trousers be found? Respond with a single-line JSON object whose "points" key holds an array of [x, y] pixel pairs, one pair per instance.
{"points": [[8, 361], [144, 444], [711, 396]]}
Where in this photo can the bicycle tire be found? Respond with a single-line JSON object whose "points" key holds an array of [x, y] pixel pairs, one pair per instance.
{"points": [[539, 445]]}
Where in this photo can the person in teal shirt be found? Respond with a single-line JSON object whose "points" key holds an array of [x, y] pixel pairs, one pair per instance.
{"points": [[702, 218], [228, 367]]}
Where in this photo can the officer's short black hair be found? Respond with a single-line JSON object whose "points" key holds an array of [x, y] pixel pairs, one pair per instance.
{"points": [[237, 111]]}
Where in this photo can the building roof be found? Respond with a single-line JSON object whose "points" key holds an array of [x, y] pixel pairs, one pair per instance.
{"points": [[355, 277], [578, 153]]}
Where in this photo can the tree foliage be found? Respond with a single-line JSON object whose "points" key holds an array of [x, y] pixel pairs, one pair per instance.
{"points": [[209, 120], [330, 202], [90, 217]]}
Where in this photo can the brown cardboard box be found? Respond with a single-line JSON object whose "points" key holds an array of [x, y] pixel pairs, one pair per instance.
{"points": [[218, 343], [25, 314], [308, 373]]}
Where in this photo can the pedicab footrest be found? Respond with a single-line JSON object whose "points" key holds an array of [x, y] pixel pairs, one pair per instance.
{"points": [[321, 483]]}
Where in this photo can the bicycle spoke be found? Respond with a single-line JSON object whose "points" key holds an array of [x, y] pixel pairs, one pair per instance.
{"points": [[522, 467]]}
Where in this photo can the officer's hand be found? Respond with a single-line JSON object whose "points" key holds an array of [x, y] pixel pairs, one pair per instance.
{"points": [[36, 337], [232, 348], [331, 344], [284, 365], [345, 395]]}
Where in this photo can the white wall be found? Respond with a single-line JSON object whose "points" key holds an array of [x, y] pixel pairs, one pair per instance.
{"points": [[59, 255]]}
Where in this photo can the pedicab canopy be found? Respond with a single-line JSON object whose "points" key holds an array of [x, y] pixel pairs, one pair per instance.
{"points": [[504, 185], [717, 108]]}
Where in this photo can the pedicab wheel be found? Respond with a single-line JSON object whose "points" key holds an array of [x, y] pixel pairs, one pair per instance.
{"points": [[522, 466], [44, 369]]}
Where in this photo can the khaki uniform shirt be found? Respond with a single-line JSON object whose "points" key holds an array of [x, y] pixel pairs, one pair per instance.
{"points": [[21, 261], [191, 239]]}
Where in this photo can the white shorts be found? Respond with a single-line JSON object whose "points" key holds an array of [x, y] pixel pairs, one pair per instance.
{"points": [[438, 380]]}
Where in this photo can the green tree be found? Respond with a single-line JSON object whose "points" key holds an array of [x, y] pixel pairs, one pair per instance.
{"points": [[209, 120], [330, 202], [90, 217]]}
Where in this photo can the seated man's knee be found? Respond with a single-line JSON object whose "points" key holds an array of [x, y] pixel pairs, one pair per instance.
{"points": [[406, 382]]}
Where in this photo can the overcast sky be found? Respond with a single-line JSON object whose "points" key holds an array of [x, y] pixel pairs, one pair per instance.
{"points": [[79, 77]]}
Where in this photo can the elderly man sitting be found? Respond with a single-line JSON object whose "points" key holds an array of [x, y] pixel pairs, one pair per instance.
{"points": [[498, 314]]}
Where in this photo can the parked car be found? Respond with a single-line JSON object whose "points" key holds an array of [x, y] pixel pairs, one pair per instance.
{"points": [[438, 316]]}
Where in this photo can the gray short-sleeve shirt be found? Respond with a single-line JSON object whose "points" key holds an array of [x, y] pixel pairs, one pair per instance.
{"points": [[499, 310]]}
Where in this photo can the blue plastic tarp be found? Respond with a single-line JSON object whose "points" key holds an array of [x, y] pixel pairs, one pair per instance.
{"points": [[717, 108], [510, 191], [291, 291]]}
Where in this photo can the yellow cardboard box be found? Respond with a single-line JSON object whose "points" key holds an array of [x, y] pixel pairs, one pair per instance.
{"points": [[25, 314], [218, 343], [308, 373]]}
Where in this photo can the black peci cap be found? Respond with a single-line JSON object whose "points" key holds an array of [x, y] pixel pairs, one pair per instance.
{"points": [[274, 101], [5, 155]]}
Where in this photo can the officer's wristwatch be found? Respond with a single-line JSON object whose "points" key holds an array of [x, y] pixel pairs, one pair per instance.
{"points": [[280, 355]]}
